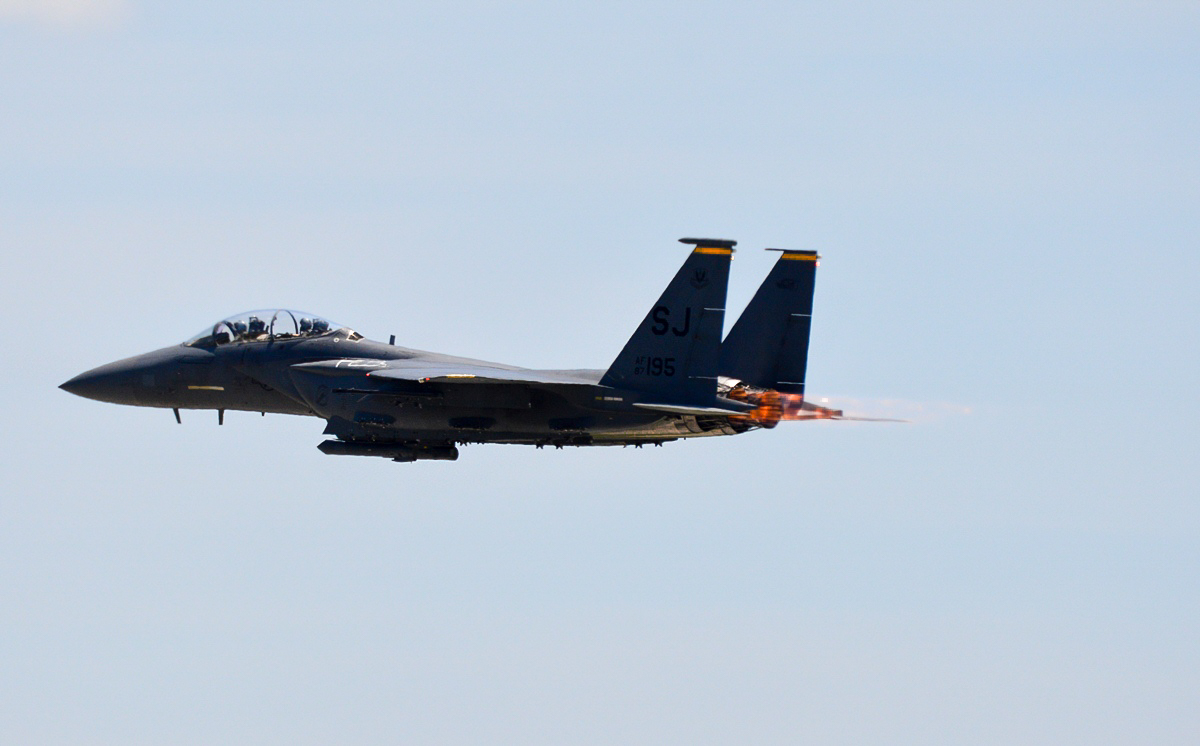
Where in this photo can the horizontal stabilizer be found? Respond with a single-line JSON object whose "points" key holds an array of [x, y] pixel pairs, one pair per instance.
{"points": [[697, 411]]}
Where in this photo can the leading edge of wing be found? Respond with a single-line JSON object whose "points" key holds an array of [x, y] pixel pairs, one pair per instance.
{"points": [[449, 373], [477, 374]]}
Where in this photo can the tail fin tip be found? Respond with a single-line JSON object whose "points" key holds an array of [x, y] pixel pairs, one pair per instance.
{"points": [[710, 243]]}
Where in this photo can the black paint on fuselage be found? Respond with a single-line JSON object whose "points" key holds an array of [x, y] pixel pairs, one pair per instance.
{"points": [[670, 381]]}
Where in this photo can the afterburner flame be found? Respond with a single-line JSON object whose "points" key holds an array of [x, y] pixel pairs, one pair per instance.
{"points": [[772, 407], [768, 410], [795, 408]]}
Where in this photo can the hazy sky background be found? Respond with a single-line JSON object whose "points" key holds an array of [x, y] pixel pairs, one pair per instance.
{"points": [[1005, 197]]}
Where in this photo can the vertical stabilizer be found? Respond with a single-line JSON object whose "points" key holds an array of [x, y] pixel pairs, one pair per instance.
{"points": [[768, 345], [673, 354]]}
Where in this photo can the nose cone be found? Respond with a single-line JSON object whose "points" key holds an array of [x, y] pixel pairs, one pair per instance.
{"points": [[116, 382], [150, 380]]}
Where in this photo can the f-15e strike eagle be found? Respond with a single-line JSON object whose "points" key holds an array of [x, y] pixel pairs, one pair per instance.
{"points": [[674, 379]]}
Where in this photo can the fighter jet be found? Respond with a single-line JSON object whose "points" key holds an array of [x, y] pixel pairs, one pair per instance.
{"points": [[674, 379]]}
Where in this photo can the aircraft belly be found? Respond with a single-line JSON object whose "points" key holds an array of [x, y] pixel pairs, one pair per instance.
{"points": [[386, 418]]}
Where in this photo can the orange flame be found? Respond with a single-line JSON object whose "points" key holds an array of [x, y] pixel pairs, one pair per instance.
{"points": [[768, 407], [795, 408], [773, 407]]}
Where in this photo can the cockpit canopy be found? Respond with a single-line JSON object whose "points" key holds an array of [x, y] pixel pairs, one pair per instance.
{"points": [[264, 326]]}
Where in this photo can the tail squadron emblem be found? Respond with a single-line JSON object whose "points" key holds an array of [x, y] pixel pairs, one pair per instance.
{"points": [[700, 279]]}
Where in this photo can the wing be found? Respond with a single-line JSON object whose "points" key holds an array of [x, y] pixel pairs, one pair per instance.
{"points": [[476, 374], [408, 372], [424, 371]]}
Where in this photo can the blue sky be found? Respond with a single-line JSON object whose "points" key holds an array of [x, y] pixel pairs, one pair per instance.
{"points": [[1005, 200]]}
